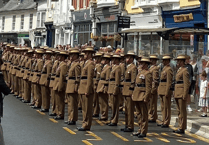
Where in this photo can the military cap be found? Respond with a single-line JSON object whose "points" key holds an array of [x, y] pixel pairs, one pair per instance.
{"points": [[181, 56], [130, 53], [166, 56], [63, 52], [153, 56], [48, 52], [89, 49], [145, 59], [116, 56], [107, 55], [74, 50], [82, 54], [40, 51], [98, 54]]}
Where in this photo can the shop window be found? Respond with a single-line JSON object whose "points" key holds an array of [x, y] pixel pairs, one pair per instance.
{"points": [[31, 21], [90, 27], [111, 27], [3, 22], [86, 27], [22, 22], [86, 37], [81, 27], [38, 19], [104, 27], [13, 22]]}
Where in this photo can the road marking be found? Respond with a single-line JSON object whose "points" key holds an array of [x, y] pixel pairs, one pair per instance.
{"points": [[97, 138], [180, 138], [99, 122], [119, 136], [145, 140], [51, 119], [68, 130], [42, 113], [87, 142], [159, 137]]}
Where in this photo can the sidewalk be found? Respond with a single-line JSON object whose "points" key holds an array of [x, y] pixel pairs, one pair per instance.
{"points": [[195, 124]]}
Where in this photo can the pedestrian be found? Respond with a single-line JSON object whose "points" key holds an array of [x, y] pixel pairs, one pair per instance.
{"points": [[194, 82], [204, 94], [181, 93]]}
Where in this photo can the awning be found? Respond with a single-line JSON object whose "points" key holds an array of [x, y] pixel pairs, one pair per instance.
{"points": [[165, 32]]}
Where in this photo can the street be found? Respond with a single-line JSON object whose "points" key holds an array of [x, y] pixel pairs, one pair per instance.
{"points": [[23, 125]]}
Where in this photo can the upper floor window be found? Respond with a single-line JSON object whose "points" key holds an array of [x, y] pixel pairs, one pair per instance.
{"points": [[31, 21], [3, 22], [41, 16], [13, 22], [22, 22]]}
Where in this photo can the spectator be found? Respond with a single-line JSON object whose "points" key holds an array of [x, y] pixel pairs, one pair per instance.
{"points": [[194, 84]]}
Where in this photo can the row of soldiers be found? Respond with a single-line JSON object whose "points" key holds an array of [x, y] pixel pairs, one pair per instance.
{"points": [[95, 81]]}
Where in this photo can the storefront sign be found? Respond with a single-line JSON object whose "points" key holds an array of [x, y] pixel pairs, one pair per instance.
{"points": [[108, 18], [183, 18], [123, 22], [82, 15]]}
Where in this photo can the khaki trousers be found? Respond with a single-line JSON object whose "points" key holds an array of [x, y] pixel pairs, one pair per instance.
{"points": [[87, 108], [33, 92], [22, 87], [45, 93], [166, 109], [19, 86], [37, 95], [9, 79], [27, 90], [129, 112], [142, 107], [115, 108], [79, 101], [153, 107], [96, 103], [182, 113], [60, 103], [72, 106], [53, 101], [103, 99], [16, 86]]}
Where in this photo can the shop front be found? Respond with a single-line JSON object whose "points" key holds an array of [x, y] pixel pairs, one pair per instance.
{"points": [[82, 27], [40, 38], [23, 39], [189, 18], [9, 37]]}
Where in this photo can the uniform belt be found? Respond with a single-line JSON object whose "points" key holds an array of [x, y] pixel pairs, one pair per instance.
{"points": [[52, 74], [31, 74], [71, 78], [38, 75], [102, 79], [35, 71], [57, 75], [140, 85], [17, 68], [52, 78], [44, 72], [95, 77], [83, 78], [163, 80], [28, 73], [22, 71], [179, 82], [27, 68], [112, 79], [127, 80]]}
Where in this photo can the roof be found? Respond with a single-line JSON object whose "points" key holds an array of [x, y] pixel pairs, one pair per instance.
{"points": [[3, 2], [13, 5]]}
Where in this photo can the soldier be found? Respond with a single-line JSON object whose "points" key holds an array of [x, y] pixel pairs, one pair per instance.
{"points": [[60, 86], [13, 56], [51, 84], [128, 87], [81, 57], [9, 65], [44, 81], [103, 87], [27, 83], [86, 89], [72, 87], [164, 91], [97, 72], [121, 98], [154, 69], [141, 95], [5, 57], [181, 93], [113, 89], [36, 77]]}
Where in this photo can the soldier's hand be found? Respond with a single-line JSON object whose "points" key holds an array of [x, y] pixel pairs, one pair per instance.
{"points": [[86, 94], [145, 100]]}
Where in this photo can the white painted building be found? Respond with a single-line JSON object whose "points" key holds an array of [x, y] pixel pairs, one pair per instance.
{"points": [[17, 18]]}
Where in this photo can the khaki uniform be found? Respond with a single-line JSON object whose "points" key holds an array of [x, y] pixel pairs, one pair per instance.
{"points": [[121, 98], [34, 61], [142, 92], [51, 84], [15, 71], [164, 92], [97, 71], [128, 87], [8, 69], [5, 58], [102, 91], [27, 83], [44, 82], [35, 81], [79, 96], [181, 92], [72, 90], [59, 88], [154, 69], [86, 86], [114, 91], [11, 71]]}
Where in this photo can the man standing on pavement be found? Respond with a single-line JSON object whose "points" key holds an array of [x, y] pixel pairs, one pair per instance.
{"points": [[81, 59], [128, 87], [114, 90], [73, 80], [141, 95], [164, 91], [103, 86], [86, 89], [97, 72], [154, 69], [44, 81], [181, 93]]}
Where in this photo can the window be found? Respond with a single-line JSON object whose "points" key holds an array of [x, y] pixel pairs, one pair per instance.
{"points": [[43, 15], [38, 19], [31, 21], [3, 22], [22, 22], [13, 22]]}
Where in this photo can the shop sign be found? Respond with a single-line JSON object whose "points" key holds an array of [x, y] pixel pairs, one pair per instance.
{"points": [[108, 18], [23, 35], [83, 15], [183, 18], [123, 22]]}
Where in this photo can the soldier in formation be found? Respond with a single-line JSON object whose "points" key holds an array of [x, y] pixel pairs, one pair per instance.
{"points": [[46, 77]]}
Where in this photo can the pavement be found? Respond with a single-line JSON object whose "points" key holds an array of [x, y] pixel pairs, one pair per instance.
{"points": [[23, 125]]}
